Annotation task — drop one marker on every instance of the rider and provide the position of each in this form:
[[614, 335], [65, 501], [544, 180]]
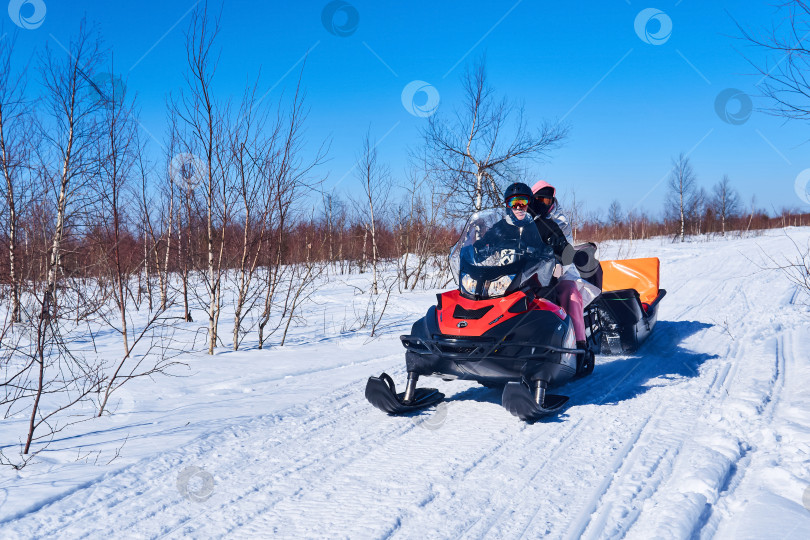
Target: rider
[[516, 228], [511, 228], [555, 231]]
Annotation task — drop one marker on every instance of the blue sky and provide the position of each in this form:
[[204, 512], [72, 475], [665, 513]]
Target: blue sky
[[631, 105]]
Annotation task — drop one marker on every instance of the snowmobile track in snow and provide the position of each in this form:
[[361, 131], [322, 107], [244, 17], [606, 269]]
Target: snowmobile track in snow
[[296, 478]]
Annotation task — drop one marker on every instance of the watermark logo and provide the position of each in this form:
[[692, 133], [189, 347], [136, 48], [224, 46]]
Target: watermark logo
[[120, 405], [436, 419], [806, 498], [107, 89], [195, 484], [425, 94], [653, 26], [187, 170], [27, 14], [351, 343], [340, 18], [802, 186], [728, 113]]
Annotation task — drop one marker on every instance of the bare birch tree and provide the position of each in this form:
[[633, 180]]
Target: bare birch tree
[[785, 70], [725, 202], [69, 161], [16, 140], [420, 217], [375, 178], [73, 110], [682, 189], [118, 149], [120, 153], [153, 237], [575, 210], [204, 119], [485, 143], [615, 215], [287, 174], [251, 145]]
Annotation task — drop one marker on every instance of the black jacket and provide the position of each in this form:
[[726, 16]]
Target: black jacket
[[551, 234], [507, 232]]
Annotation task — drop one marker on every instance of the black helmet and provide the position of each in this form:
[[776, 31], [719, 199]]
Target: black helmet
[[518, 188]]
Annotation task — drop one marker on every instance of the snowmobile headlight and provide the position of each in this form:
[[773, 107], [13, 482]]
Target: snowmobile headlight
[[468, 284], [499, 286]]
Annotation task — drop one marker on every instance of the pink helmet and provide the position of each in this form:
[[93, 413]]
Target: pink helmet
[[543, 184]]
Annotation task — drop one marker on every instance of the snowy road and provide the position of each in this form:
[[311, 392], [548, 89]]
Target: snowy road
[[704, 432]]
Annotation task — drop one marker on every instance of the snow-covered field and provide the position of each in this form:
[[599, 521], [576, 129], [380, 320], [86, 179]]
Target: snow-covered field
[[705, 432]]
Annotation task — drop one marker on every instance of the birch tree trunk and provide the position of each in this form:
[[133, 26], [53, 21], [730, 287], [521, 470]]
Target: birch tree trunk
[[12, 219], [17, 138], [164, 274]]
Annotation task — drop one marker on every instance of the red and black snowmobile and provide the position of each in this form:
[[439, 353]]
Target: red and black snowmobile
[[502, 326]]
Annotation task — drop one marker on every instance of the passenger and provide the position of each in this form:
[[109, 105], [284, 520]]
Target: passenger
[[555, 231]]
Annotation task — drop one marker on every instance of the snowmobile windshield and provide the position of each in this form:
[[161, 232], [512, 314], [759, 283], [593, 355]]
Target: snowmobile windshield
[[497, 254]]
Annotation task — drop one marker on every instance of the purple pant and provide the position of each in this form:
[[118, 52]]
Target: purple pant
[[571, 301]]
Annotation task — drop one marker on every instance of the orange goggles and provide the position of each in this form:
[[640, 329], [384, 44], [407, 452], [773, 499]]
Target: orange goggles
[[543, 199], [518, 202]]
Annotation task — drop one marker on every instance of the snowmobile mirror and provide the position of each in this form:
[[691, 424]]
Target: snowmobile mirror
[[581, 258]]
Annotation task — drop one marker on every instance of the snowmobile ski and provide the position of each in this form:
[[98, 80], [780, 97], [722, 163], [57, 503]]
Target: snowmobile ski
[[382, 393], [519, 400]]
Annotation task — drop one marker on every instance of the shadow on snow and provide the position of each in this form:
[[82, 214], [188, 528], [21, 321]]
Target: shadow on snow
[[623, 378]]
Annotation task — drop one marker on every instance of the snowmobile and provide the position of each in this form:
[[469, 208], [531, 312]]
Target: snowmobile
[[502, 327]]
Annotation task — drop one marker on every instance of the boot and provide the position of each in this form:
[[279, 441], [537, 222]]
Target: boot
[[585, 362]]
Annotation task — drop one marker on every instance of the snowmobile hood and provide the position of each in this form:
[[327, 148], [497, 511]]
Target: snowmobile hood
[[463, 317]]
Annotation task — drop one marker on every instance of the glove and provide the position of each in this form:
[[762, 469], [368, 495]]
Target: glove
[[559, 243]]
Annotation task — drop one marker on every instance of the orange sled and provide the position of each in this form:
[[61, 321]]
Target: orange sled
[[628, 305]]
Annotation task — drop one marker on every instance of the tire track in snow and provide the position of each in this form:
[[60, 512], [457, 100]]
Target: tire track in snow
[[497, 460], [626, 381], [722, 471], [648, 466], [525, 500], [348, 404], [519, 482], [409, 458], [723, 376], [489, 457], [646, 463], [563, 442], [323, 481], [303, 468], [578, 525], [312, 421], [643, 471], [784, 354]]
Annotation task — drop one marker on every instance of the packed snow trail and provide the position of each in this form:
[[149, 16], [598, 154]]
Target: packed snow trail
[[703, 432]]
